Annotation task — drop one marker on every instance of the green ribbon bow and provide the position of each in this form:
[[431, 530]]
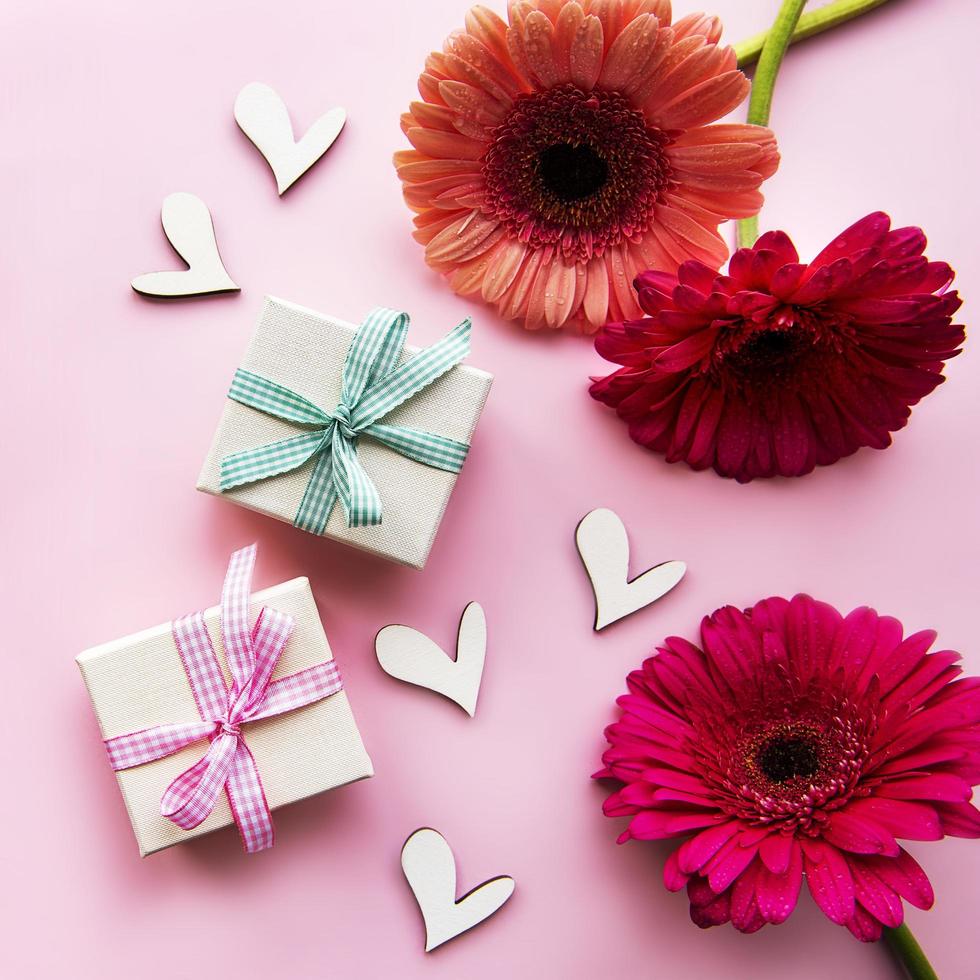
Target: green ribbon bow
[[373, 386]]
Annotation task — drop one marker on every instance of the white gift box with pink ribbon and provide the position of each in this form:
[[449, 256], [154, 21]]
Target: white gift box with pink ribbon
[[223, 716]]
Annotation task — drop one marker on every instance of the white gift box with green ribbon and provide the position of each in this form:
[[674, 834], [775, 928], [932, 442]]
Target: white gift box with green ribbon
[[346, 431]]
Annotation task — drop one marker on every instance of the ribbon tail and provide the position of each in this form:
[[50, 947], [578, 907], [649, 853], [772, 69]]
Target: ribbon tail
[[249, 806], [418, 372], [319, 497], [269, 637], [274, 399], [252, 465], [150, 744], [374, 351], [235, 629], [439, 452], [358, 494], [190, 798], [299, 689], [201, 666]]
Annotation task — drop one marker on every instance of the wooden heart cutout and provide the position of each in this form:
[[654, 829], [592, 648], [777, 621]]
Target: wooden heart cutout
[[602, 543], [190, 231], [430, 868], [411, 656], [264, 119]]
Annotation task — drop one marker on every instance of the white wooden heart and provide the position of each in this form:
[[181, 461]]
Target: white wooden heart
[[430, 868], [411, 656], [602, 543], [264, 119], [188, 226]]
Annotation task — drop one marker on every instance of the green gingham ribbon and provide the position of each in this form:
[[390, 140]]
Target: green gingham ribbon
[[373, 385]]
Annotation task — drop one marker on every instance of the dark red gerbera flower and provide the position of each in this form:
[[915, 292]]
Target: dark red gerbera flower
[[797, 743], [779, 366]]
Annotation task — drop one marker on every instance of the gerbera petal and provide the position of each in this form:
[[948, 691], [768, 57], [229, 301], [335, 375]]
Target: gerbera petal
[[701, 61], [884, 817], [865, 233], [585, 54], [864, 926], [674, 878], [596, 300], [658, 824], [413, 167], [728, 864], [435, 143], [472, 103], [463, 239], [707, 26], [469, 59], [430, 116], [959, 820], [811, 629], [534, 306], [694, 853], [698, 242], [713, 158], [611, 14], [792, 438], [513, 303], [849, 831], [430, 223], [559, 293], [508, 256], [875, 895], [566, 27], [829, 879], [775, 851], [703, 102], [630, 51], [713, 910], [745, 910], [702, 447], [777, 892], [689, 351], [538, 42], [904, 876], [490, 31]]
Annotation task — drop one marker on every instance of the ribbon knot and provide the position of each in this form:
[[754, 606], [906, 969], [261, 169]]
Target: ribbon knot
[[252, 654], [342, 419], [373, 385], [228, 728]]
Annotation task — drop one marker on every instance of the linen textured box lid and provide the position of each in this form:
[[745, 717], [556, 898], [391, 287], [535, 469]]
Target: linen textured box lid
[[139, 681], [306, 351]]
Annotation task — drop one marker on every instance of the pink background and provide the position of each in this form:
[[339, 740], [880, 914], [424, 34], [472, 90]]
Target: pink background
[[110, 401]]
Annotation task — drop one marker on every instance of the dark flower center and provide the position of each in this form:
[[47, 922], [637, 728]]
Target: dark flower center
[[770, 355], [575, 171], [572, 172], [785, 757], [783, 348]]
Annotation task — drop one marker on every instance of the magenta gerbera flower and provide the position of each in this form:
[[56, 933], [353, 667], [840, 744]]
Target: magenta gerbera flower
[[780, 366], [795, 744]]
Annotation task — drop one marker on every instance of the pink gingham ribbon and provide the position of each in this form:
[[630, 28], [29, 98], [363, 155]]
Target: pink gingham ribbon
[[251, 654]]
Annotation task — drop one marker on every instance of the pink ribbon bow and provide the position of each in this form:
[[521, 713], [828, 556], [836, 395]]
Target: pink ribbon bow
[[252, 655]]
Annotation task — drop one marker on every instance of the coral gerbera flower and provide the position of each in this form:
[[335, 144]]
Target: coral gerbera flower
[[797, 743], [779, 366], [558, 155]]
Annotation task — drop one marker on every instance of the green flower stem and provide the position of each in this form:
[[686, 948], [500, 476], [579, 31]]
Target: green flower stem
[[814, 22], [909, 953], [760, 101]]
